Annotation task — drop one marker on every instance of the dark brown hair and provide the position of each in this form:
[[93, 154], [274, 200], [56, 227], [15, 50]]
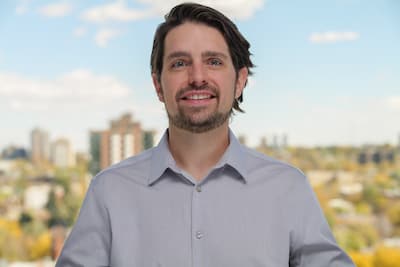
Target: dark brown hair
[[192, 12]]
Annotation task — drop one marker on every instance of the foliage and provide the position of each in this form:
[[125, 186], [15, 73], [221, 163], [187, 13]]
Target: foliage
[[362, 259], [25, 218], [41, 246], [356, 237], [393, 213], [386, 257], [11, 240]]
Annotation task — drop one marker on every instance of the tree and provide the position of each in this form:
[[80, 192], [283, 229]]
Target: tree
[[393, 214], [362, 259], [41, 246], [387, 257]]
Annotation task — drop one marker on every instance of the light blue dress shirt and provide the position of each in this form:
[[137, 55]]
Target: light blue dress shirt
[[249, 211]]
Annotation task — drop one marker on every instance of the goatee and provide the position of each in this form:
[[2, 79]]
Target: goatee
[[184, 121]]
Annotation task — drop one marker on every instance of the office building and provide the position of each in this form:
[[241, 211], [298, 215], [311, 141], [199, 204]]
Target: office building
[[62, 154], [40, 146], [124, 138]]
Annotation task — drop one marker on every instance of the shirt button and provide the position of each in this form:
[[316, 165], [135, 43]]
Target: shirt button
[[199, 234], [198, 188]]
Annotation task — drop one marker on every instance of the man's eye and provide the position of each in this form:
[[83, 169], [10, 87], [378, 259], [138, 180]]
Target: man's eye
[[178, 64], [215, 62]]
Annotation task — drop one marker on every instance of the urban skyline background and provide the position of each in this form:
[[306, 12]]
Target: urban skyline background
[[326, 71]]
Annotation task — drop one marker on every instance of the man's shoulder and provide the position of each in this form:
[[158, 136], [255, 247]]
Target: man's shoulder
[[259, 164], [135, 168]]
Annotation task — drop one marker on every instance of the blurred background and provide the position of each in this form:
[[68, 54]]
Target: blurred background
[[76, 96]]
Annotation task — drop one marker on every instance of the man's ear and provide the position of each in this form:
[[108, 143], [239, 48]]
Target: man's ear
[[157, 86], [241, 80]]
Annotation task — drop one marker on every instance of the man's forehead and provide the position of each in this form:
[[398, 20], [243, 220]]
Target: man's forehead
[[192, 37]]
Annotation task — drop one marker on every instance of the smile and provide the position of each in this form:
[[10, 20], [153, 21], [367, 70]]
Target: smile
[[198, 97]]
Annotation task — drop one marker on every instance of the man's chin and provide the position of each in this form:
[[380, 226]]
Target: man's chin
[[199, 126]]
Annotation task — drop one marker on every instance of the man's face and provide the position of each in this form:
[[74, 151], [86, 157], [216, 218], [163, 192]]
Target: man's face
[[198, 81]]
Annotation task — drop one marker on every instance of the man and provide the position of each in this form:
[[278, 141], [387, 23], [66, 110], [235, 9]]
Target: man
[[199, 198]]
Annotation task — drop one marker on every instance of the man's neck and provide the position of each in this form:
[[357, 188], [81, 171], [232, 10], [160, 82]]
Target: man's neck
[[197, 153]]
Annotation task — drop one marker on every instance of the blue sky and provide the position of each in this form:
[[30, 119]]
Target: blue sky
[[327, 71]]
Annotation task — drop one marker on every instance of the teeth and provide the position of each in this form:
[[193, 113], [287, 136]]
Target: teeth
[[199, 97]]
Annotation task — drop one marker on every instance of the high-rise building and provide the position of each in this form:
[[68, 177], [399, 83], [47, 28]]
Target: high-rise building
[[40, 146], [123, 139], [275, 141], [148, 139], [62, 154], [284, 140], [94, 146]]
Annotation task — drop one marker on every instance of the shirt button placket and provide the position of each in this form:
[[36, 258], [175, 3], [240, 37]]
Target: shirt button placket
[[197, 229]]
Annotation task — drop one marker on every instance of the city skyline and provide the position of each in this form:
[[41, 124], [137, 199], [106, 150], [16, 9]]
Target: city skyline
[[325, 75], [270, 140]]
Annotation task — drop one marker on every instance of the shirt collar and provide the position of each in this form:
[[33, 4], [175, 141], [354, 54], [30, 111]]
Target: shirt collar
[[161, 158], [235, 157]]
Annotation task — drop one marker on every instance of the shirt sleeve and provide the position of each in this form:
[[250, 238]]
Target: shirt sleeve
[[312, 242], [89, 241]]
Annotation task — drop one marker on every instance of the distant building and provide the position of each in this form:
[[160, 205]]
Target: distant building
[[36, 196], [148, 139], [123, 139], [376, 155], [13, 152], [94, 146], [285, 141], [62, 154], [40, 146], [279, 141], [275, 142], [263, 142]]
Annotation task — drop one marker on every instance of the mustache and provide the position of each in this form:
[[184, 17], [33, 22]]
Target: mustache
[[191, 87]]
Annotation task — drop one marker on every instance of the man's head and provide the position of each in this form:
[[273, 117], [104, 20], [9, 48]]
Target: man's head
[[191, 12], [200, 64]]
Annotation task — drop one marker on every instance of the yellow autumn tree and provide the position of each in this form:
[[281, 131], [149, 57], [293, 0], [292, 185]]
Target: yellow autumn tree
[[41, 246], [386, 257], [11, 240], [362, 259]]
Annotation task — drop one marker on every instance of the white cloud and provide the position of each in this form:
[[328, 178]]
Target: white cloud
[[239, 9], [61, 9], [70, 89], [69, 105], [118, 11], [80, 32], [333, 37], [103, 36]]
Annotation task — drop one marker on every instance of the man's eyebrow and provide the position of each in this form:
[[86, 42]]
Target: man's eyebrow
[[214, 54], [178, 54]]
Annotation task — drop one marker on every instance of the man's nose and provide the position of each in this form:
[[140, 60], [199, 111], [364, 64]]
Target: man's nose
[[197, 74]]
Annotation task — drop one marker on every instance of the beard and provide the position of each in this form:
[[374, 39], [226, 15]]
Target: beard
[[185, 121]]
